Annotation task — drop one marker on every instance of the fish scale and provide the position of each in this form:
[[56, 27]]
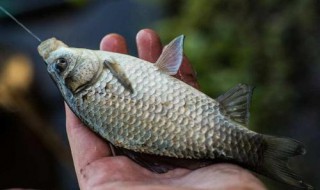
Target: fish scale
[[159, 121], [171, 124]]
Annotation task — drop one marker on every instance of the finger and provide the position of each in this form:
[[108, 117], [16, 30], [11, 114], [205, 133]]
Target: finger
[[187, 74], [114, 43], [149, 45], [85, 146]]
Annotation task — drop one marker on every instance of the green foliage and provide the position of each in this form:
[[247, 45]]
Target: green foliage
[[263, 43]]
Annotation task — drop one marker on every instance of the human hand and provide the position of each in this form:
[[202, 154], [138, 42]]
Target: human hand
[[96, 168]]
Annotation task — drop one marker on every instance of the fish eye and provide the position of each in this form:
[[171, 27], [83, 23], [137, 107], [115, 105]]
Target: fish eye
[[61, 64]]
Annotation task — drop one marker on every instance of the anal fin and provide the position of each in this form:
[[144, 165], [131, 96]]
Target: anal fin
[[161, 164], [236, 102]]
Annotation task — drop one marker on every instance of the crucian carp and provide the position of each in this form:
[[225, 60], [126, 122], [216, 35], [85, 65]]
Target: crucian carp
[[143, 111]]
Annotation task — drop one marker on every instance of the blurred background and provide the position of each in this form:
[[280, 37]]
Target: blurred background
[[271, 44]]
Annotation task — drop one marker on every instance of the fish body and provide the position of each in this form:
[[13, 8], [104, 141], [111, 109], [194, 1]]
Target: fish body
[[139, 107]]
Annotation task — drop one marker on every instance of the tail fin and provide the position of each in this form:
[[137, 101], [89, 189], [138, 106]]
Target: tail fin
[[275, 163]]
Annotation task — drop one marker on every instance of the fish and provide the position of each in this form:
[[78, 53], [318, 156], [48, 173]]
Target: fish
[[146, 113]]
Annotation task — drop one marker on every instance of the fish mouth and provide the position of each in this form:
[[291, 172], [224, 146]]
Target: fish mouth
[[48, 46]]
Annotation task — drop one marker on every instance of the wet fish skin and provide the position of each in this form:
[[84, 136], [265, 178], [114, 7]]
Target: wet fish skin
[[138, 106], [162, 106]]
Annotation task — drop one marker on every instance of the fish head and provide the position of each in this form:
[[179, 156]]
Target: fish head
[[72, 69]]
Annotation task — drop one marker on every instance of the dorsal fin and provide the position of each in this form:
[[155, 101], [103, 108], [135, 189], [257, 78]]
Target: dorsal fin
[[236, 102], [118, 73], [171, 57]]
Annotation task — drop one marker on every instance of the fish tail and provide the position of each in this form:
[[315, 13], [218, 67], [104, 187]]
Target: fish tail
[[277, 152]]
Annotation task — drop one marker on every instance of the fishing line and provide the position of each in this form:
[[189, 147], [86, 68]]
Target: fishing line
[[19, 23]]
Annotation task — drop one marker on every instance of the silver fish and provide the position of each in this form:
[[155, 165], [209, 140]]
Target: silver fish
[[144, 112]]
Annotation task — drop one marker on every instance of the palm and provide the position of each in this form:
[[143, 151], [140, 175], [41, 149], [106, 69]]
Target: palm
[[121, 173], [97, 169]]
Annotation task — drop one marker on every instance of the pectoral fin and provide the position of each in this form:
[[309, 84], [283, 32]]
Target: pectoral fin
[[118, 73], [236, 102], [171, 58]]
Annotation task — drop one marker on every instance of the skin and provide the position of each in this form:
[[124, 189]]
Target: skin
[[96, 168]]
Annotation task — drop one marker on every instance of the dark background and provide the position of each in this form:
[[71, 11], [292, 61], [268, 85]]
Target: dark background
[[271, 44]]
